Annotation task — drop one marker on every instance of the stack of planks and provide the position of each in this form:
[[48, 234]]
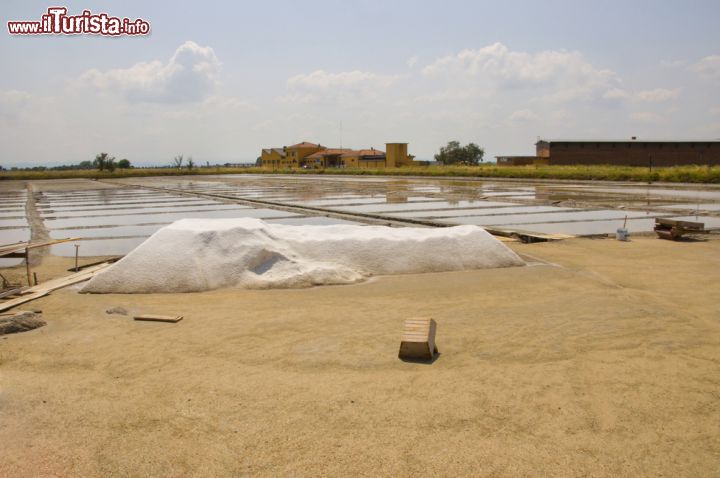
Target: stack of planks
[[673, 229]]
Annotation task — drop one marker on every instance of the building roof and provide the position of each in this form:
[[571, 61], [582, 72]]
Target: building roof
[[279, 151], [365, 152], [304, 144], [328, 152], [628, 140]]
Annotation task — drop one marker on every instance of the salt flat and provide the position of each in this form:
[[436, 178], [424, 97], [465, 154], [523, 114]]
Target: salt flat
[[599, 360]]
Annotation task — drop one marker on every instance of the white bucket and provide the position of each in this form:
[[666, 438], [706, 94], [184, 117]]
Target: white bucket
[[622, 234]]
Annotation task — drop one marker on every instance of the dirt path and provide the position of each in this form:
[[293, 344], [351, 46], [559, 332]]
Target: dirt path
[[38, 231]]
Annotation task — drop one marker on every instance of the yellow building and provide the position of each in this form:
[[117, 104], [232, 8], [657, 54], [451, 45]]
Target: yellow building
[[365, 158], [316, 156], [397, 155], [288, 157], [297, 153], [274, 158]]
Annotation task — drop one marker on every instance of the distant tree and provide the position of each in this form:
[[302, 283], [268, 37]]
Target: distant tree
[[85, 165], [453, 153], [190, 163], [178, 161], [104, 161], [124, 164]]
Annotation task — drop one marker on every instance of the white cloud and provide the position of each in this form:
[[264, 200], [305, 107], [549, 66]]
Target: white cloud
[[645, 117], [12, 105], [657, 95], [189, 75], [715, 111], [523, 115], [348, 85], [673, 63], [649, 96], [412, 61], [616, 94], [229, 103], [567, 75], [708, 67]]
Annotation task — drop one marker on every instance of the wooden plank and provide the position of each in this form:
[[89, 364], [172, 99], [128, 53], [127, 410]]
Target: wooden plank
[[160, 318], [10, 292], [21, 246], [699, 226], [71, 279], [9, 304], [41, 290]]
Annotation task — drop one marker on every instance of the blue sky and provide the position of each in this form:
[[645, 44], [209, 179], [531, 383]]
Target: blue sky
[[220, 81]]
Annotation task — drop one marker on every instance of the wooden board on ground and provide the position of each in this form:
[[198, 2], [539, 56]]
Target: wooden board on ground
[[526, 236], [41, 290], [159, 318], [673, 229], [19, 247], [11, 291], [418, 339]]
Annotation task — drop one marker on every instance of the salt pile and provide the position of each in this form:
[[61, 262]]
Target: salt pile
[[193, 255]]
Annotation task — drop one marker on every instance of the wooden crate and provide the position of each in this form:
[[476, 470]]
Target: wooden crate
[[418, 339]]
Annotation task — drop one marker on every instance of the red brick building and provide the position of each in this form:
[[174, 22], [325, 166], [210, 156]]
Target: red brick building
[[632, 152]]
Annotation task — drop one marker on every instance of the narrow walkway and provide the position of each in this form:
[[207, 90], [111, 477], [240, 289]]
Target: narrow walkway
[[38, 231]]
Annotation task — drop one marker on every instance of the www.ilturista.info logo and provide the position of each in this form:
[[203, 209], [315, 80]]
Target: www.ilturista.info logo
[[57, 22]]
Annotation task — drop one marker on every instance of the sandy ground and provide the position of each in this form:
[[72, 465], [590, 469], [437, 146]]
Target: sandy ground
[[603, 362]]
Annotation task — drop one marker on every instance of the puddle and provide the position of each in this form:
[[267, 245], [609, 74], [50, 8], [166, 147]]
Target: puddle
[[653, 191], [313, 221], [399, 207], [340, 202], [709, 221], [547, 217], [117, 231], [495, 211], [159, 218], [157, 208], [13, 223], [142, 211], [168, 202], [14, 214], [587, 228], [102, 247], [11, 236], [690, 206]]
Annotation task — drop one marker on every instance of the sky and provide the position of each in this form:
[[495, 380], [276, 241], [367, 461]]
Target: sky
[[221, 80]]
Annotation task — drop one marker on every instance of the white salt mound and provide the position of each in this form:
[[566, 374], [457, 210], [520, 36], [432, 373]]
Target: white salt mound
[[193, 255]]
